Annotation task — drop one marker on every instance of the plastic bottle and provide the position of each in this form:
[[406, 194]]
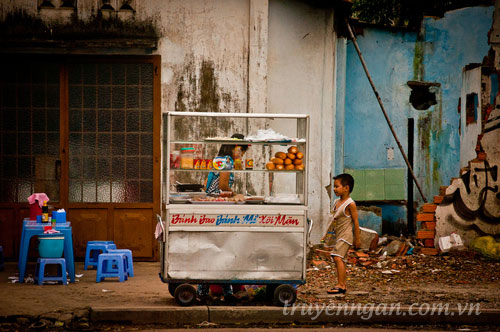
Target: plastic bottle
[[45, 212], [248, 159]]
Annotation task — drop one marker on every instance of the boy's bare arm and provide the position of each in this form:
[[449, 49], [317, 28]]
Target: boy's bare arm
[[330, 220], [353, 211]]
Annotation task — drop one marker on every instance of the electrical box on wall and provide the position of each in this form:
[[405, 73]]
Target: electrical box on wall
[[390, 153]]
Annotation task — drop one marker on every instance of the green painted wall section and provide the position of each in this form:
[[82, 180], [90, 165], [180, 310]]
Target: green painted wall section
[[378, 184]]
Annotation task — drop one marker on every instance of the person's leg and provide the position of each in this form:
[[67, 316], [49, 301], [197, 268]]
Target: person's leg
[[203, 289], [338, 254], [227, 289], [228, 293], [341, 274]]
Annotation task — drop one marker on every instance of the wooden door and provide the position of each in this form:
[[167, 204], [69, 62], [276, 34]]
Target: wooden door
[[104, 168]]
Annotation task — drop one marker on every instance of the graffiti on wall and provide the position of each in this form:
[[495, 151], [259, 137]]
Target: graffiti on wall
[[471, 206]]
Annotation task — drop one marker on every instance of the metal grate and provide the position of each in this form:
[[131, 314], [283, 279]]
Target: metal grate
[[111, 132]]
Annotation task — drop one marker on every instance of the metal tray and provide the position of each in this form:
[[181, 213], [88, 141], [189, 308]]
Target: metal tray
[[214, 202]]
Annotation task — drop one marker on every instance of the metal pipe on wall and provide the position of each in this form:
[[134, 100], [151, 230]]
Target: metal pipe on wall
[[410, 168]]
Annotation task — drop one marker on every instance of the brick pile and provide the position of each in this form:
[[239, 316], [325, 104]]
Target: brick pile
[[427, 216]]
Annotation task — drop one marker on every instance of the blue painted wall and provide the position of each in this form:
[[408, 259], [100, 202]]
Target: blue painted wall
[[437, 54]]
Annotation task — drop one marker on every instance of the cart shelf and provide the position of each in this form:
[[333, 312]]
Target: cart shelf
[[238, 142], [235, 170]]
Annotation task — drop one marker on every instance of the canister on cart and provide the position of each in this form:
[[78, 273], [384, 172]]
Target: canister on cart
[[238, 164], [187, 158]]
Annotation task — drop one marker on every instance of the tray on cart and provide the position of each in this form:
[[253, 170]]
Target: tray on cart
[[213, 202], [254, 200]]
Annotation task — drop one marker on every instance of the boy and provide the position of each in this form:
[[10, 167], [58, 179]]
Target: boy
[[343, 216]]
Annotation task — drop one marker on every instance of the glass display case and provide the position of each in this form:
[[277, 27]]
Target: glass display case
[[193, 140]]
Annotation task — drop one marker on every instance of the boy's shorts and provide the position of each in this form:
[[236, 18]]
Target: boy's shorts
[[340, 250]]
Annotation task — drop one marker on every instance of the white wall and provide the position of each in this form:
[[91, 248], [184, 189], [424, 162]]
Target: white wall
[[300, 80], [471, 83]]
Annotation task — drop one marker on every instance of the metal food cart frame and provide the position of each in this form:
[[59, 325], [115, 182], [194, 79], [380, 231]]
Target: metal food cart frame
[[293, 230]]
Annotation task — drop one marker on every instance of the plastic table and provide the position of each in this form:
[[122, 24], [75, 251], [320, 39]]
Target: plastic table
[[31, 228]]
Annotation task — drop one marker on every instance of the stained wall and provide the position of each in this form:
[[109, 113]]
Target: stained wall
[[434, 56]]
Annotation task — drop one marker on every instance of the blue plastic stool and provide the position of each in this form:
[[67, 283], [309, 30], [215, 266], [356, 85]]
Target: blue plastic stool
[[129, 264], [103, 270], [1, 258], [40, 270], [94, 248]]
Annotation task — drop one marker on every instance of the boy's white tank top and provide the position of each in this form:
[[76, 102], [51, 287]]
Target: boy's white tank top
[[343, 223]]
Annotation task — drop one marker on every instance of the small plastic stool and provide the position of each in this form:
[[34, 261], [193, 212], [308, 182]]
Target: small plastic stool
[[40, 270], [103, 270], [129, 264], [1, 258], [94, 248]]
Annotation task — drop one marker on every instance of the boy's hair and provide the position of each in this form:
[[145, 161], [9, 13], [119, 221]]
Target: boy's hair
[[346, 180]]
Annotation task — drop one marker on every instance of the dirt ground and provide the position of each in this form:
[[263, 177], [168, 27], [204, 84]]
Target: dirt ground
[[460, 277], [414, 279], [145, 289]]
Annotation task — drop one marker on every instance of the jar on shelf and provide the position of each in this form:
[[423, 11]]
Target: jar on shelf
[[187, 158]]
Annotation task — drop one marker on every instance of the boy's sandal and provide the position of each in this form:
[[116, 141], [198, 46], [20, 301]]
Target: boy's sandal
[[336, 290]]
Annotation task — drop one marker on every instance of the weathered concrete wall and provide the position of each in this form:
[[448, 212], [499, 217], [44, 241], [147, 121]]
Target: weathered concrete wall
[[435, 55], [300, 80], [471, 207], [239, 56], [472, 204], [451, 43], [204, 48]]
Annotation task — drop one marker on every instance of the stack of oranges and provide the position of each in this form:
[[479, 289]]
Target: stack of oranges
[[292, 160]]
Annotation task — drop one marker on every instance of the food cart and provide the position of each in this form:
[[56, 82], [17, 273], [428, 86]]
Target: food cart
[[259, 240]]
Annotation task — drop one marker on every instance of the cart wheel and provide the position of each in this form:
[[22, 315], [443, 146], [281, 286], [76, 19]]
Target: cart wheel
[[172, 287], [185, 294], [285, 295]]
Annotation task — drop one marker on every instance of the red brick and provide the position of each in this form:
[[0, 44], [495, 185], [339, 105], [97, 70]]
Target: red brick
[[319, 264], [402, 250], [352, 260], [438, 199], [429, 208], [429, 251], [429, 225], [425, 234], [369, 263], [425, 217], [324, 253], [429, 243]]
